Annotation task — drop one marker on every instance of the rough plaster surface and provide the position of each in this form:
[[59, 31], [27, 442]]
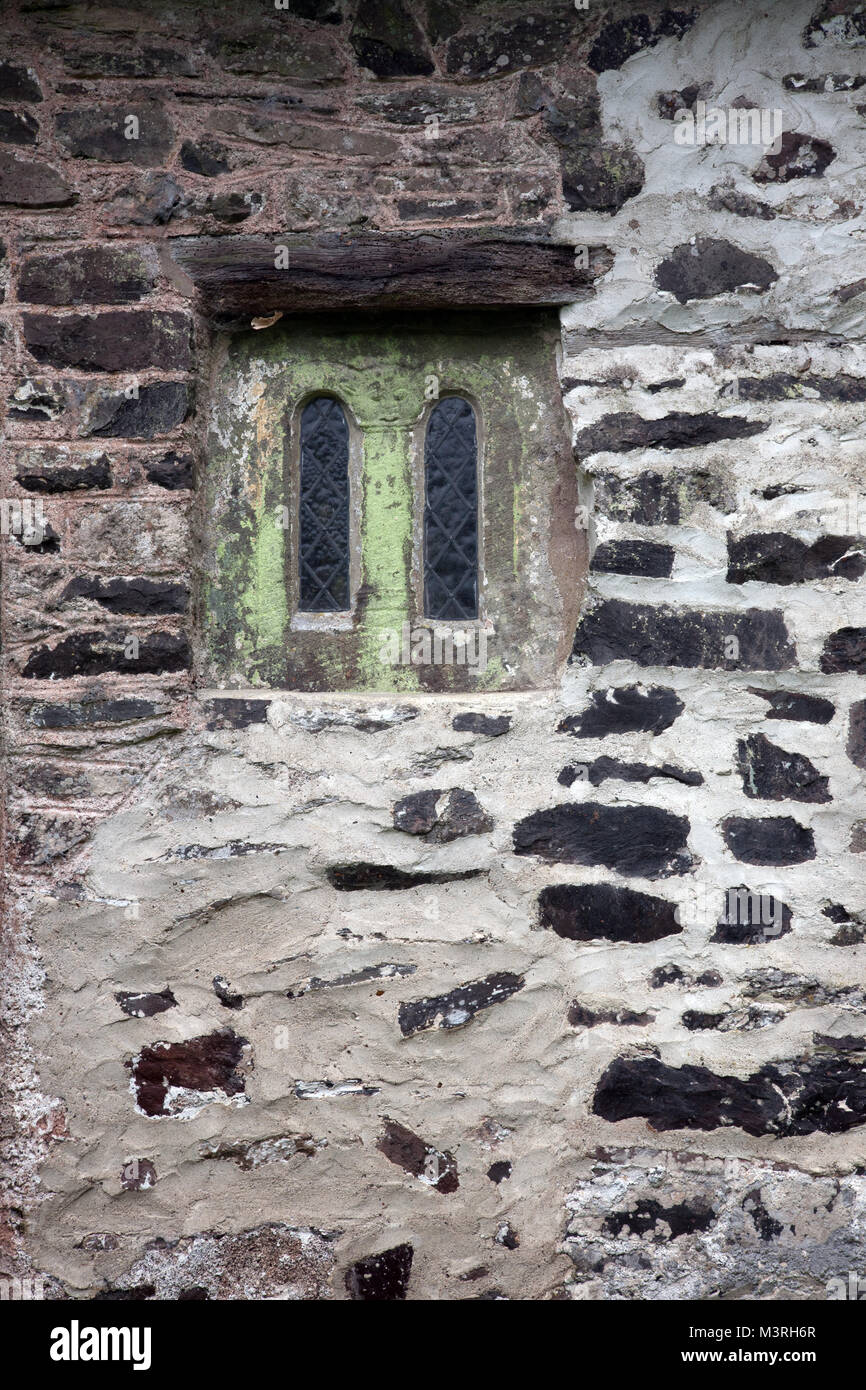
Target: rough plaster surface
[[241, 1062]]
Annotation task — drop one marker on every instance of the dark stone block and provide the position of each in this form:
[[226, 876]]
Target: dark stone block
[[137, 1175], [600, 178], [620, 39], [53, 478], [356, 878], [95, 653], [773, 557], [594, 911], [650, 559], [237, 714], [86, 713], [422, 813], [114, 341], [659, 499], [144, 61], [156, 409], [53, 782], [723, 198], [173, 471], [771, 773], [604, 768], [420, 1159], [845, 650], [800, 157], [581, 1017], [388, 40], [625, 709], [491, 725], [208, 158], [669, 103], [145, 1005], [459, 1005], [381, 1278], [790, 704], [505, 46], [29, 183], [708, 266], [623, 431], [90, 132], [89, 275], [207, 1063], [697, 1022], [826, 1095], [660, 636], [499, 1172], [224, 994], [642, 841], [768, 839], [752, 919], [18, 83], [42, 839], [144, 597], [856, 745], [681, 1219], [785, 386], [18, 128]]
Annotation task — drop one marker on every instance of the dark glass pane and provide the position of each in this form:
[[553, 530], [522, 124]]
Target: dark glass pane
[[324, 510], [451, 512]]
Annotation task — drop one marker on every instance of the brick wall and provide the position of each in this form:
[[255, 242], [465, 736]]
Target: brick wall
[[458, 977]]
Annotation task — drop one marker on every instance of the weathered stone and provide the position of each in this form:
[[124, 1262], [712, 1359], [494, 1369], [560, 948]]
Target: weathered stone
[[622, 432], [579, 1016], [603, 911], [747, 640], [768, 839], [600, 178], [660, 499], [236, 713], [38, 474], [42, 839], [499, 1172], [726, 198], [18, 83], [87, 275], [680, 1219], [649, 559], [148, 60], [155, 409], [138, 133], [164, 1074], [800, 157], [145, 1005], [491, 725], [845, 650], [388, 40], [771, 773], [95, 653], [800, 1098], [621, 39], [87, 713], [669, 103], [774, 557], [752, 919], [625, 709], [836, 23], [381, 1278], [276, 49], [29, 183], [141, 596], [790, 704], [438, 1169], [507, 45], [50, 781], [707, 266], [116, 340], [459, 1005], [18, 128], [786, 386], [856, 745], [173, 471], [642, 841], [137, 1175], [207, 157], [356, 878], [224, 993], [441, 816], [604, 768], [827, 82]]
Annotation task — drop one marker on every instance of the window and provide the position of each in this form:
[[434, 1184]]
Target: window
[[323, 543], [389, 505], [451, 511]]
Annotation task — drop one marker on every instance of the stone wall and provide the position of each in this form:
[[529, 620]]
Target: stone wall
[[548, 994]]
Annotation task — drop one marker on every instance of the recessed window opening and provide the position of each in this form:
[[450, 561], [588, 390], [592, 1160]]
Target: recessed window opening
[[323, 550], [451, 511]]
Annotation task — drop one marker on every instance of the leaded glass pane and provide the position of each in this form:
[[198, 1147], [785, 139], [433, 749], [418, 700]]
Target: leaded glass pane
[[324, 507], [451, 512]]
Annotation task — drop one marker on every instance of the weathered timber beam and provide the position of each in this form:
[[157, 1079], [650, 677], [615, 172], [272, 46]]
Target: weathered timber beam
[[427, 270]]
